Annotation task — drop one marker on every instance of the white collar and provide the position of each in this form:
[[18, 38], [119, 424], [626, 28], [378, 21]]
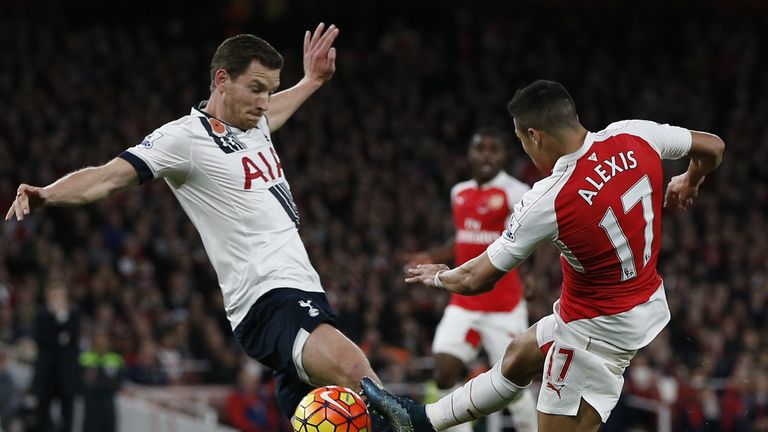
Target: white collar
[[564, 160]]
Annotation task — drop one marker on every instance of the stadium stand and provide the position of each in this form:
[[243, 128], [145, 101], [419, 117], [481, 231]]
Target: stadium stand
[[370, 159]]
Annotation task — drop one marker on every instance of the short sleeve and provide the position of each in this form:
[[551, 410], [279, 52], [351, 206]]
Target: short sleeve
[[515, 192], [454, 193], [671, 142], [163, 153], [532, 222]]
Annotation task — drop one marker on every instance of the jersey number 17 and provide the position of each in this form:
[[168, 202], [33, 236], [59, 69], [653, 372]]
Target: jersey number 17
[[639, 193]]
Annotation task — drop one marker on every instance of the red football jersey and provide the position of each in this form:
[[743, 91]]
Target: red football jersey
[[602, 208], [480, 213]]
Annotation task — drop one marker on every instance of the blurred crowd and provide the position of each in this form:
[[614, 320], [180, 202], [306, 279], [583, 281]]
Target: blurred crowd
[[371, 159]]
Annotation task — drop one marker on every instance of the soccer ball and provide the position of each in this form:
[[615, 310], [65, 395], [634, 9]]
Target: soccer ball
[[331, 409]]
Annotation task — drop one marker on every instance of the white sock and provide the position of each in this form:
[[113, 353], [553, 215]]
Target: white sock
[[482, 395], [465, 427], [524, 414], [441, 393]]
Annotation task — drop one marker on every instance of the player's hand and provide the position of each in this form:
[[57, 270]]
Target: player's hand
[[680, 192], [27, 198], [425, 273], [319, 54]]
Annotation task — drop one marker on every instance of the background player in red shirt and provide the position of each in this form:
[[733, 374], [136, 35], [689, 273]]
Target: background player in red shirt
[[481, 207], [601, 206]]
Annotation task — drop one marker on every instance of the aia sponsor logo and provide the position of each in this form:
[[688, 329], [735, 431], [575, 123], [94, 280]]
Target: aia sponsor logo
[[254, 169]]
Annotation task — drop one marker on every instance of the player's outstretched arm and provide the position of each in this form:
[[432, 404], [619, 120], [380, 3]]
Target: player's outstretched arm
[[80, 187], [475, 276], [706, 153], [319, 66]]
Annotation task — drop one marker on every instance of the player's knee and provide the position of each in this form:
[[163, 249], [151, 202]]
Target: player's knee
[[350, 377], [521, 361], [352, 369], [329, 357], [510, 364], [347, 373]]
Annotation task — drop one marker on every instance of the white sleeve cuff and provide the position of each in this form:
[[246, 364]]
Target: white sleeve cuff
[[678, 142], [499, 256]]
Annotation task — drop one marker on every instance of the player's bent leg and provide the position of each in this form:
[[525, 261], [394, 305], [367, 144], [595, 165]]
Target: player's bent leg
[[586, 420], [330, 358], [578, 368], [492, 390], [523, 359], [327, 357], [291, 331]]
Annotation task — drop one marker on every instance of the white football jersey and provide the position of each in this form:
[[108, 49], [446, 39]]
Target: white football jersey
[[232, 186]]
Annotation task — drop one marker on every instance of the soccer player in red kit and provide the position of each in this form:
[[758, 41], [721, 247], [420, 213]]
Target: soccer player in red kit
[[481, 207], [601, 206]]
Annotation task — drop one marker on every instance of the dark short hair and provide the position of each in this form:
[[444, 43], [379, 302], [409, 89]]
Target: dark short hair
[[489, 131], [235, 55], [544, 105]]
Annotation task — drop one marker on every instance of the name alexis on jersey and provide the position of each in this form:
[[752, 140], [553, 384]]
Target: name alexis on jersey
[[605, 171]]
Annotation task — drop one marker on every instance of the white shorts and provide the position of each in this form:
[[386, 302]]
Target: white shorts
[[576, 367], [461, 332]]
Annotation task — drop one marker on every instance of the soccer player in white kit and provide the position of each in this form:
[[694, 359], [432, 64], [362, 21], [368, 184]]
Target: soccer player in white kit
[[601, 206], [481, 207], [222, 166]]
